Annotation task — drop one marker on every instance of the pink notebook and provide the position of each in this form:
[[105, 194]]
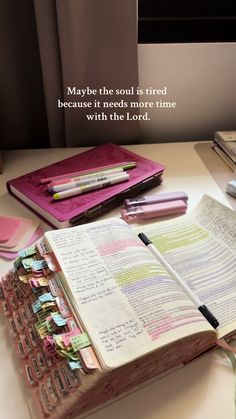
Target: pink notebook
[[8, 227], [83, 208], [13, 255]]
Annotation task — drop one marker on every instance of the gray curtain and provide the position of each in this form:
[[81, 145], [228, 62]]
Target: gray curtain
[[50, 45]]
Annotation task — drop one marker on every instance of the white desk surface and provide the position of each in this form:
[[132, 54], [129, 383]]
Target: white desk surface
[[203, 389]]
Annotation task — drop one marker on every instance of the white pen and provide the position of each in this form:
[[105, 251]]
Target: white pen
[[77, 183], [86, 176], [196, 301], [91, 187]]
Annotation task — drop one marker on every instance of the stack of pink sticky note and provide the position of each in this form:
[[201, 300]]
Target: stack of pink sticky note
[[16, 233]]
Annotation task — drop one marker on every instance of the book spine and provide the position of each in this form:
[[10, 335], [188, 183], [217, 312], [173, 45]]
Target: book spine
[[8, 185], [224, 146], [224, 157]]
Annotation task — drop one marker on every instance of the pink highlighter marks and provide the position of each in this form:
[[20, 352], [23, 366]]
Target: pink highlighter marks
[[144, 212]]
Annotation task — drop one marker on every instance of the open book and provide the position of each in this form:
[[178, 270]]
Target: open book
[[137, 319], [127, 301]]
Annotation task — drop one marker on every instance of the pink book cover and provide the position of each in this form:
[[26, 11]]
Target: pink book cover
[[35, 195]]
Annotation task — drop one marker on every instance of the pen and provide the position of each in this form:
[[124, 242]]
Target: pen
[[196, 301], [90, 187], [86, 178], [76, 184], [124, 165]]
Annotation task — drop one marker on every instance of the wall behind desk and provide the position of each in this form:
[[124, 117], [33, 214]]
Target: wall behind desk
[[200, 78]]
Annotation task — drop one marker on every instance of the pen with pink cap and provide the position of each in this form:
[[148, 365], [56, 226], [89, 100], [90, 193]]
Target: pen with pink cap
[[61, 184], [122, 165]]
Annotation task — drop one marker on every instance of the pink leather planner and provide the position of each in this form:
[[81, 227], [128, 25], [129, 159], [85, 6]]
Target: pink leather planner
[[83, 208]]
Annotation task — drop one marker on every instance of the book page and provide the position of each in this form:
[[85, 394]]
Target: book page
[[218, 219], [200, 247], [127, 302]]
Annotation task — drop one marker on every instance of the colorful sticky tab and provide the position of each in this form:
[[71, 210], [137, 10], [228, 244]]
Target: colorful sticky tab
[[62, 306], [29, 251], [37, 265], [68, 354], [66, 337], [42, 247], [58, 319], [58, 341], [50, 324], [54, 287], [36, 306], [80, 341], [42, 330], [89, 358], [25, 278], [45, 298], [43, 282], [33, 282], [42, 315], [17, 262], [27, 263], [75, 365], [71, 325], [48, 305]]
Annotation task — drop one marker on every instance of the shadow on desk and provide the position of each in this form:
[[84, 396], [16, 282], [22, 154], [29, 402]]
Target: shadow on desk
[[220, 172]]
